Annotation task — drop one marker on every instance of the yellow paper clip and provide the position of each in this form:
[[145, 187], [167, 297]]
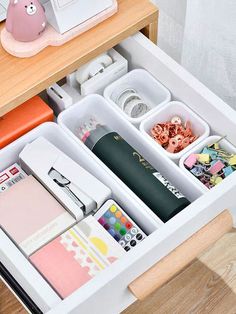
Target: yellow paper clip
[[232, 161], [203, 158]]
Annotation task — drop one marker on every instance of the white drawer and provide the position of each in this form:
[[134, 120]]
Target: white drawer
[[108, 292]]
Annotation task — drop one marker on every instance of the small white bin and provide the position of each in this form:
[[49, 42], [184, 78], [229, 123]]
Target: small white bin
[[175, 108], [152, 93], [224, 144]]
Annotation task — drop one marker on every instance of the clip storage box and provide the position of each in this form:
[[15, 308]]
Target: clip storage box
[[94, 297]]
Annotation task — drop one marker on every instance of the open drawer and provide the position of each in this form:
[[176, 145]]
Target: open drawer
[[108, 292]]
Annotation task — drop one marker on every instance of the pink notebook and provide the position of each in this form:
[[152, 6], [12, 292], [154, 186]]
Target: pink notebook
[[31, 216], [78, 255]]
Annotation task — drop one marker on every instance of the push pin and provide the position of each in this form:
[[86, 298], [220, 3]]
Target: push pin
[[173, 135]]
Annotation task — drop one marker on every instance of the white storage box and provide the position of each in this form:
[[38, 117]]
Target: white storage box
[[175, 108], [224, 144], [26, 275], [151, 92], [95, 297]]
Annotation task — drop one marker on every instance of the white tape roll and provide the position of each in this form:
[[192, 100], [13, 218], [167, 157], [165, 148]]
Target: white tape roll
[[93, 67], [126, 97], [136, 108]]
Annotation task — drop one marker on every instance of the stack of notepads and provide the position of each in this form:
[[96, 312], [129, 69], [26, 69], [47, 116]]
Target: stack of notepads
[[68, 254]]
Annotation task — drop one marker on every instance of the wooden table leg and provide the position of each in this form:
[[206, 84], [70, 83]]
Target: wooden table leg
[[151, 31]]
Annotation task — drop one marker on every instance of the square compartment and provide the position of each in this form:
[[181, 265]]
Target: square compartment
[[226, 145], [166, 113], [152, 92]]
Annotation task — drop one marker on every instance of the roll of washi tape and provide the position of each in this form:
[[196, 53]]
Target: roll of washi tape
[[136, 108]]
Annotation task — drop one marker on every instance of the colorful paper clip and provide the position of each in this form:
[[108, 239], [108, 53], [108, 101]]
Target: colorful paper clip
[[212, 165]]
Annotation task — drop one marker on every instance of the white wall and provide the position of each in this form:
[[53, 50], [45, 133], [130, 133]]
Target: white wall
[[201, 35]]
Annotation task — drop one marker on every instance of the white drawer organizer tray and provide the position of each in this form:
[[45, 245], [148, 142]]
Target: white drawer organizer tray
[[175, 108], [94, 297]]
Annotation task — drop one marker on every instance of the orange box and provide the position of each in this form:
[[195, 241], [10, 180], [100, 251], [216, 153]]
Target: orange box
[[23, 119]]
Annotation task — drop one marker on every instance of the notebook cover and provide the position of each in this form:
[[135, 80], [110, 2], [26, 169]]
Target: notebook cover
[[31, 216], [23, 119]]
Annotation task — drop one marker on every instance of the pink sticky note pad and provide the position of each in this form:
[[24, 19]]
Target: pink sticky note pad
[[191, 161], [31, 216], [58, 264], [75, 257]]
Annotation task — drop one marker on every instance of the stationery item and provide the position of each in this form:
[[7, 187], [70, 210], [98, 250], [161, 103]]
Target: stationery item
[[26, 20], [119, 225], [94, 76], [212, 165], [131, 103], [91, 78], [174, 135], [23, 119], [11, 176], [76, 256], [136, 95], [75, 188], [148, 183], [31, 216]]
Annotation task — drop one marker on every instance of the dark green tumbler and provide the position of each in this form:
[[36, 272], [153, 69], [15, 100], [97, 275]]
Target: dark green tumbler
[[145, 181]]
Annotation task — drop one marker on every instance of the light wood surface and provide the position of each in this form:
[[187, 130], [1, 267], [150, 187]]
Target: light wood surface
[[207, 286], [151, 31], [183, 255], [8, 303], [23, 78]]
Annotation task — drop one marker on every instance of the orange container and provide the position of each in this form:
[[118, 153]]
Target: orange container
[[23, 119]]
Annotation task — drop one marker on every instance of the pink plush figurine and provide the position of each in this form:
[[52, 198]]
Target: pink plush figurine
[[26, 19]]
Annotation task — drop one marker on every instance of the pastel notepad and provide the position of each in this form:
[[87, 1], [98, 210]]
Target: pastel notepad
[[31, 216], [78, 255]]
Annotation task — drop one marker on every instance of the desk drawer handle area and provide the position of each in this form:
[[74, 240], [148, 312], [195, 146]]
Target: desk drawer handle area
[[177, 260]]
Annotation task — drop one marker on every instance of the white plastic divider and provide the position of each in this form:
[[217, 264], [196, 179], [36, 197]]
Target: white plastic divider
[[11, 257], [152, 92], [175, 108], [224, 144], [96, 106]]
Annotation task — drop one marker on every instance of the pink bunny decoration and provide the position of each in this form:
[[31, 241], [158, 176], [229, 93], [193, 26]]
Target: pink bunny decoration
[[26, 19]]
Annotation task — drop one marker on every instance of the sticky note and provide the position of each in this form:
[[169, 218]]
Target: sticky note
[[76, 256], [31, 215]]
